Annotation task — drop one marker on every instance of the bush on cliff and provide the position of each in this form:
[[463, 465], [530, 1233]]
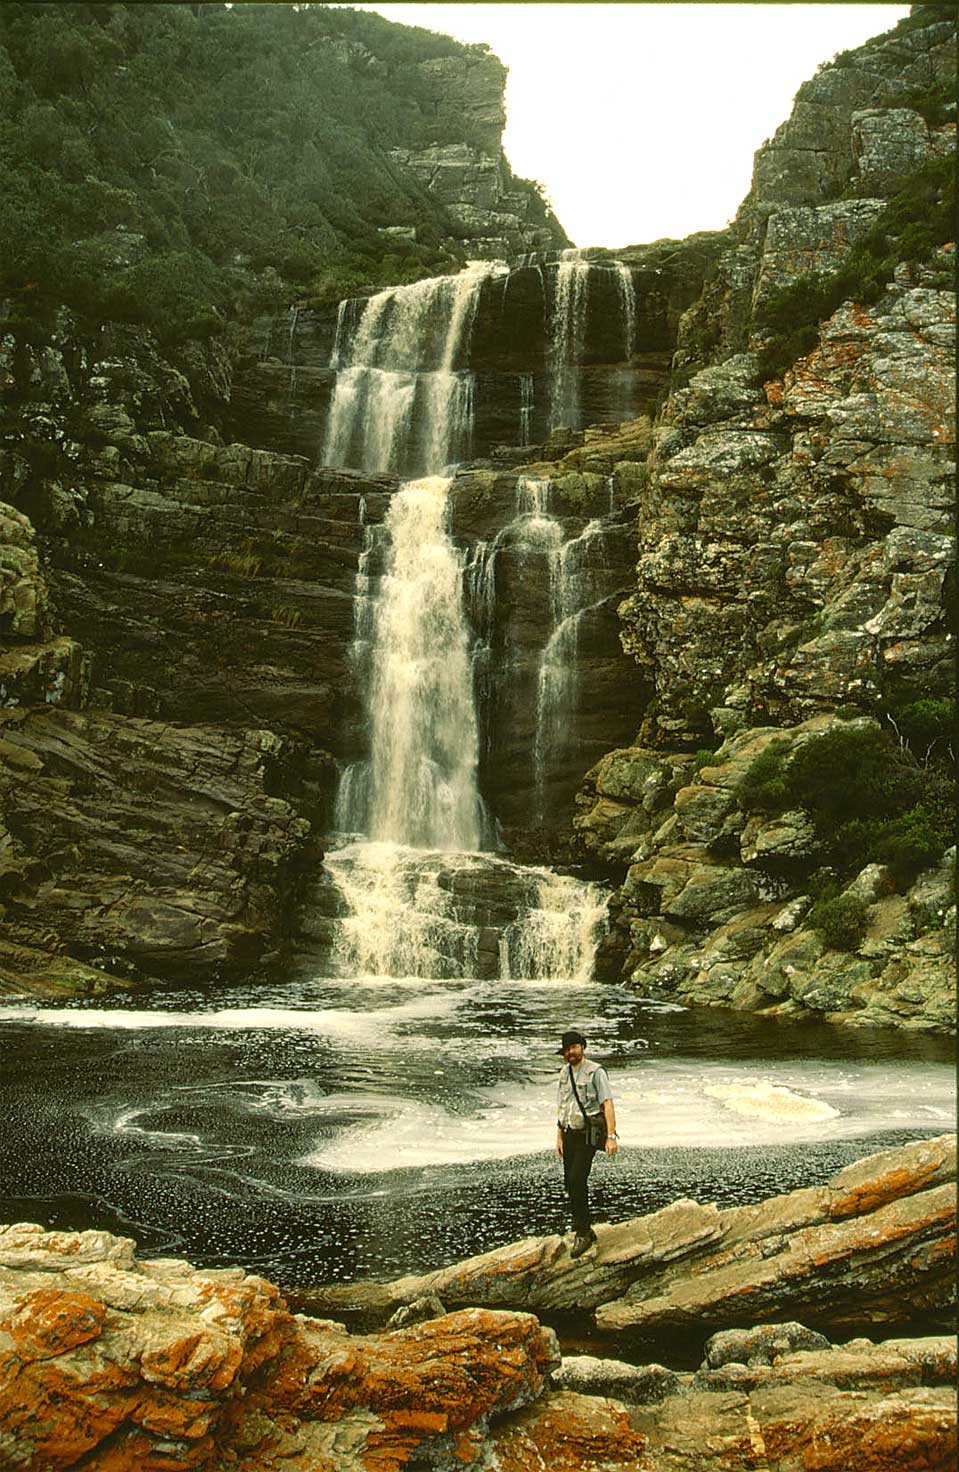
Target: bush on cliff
[[870, 800], [841, 921]]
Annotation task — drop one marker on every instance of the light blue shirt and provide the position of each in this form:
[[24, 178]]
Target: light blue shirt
[[592, 1085]]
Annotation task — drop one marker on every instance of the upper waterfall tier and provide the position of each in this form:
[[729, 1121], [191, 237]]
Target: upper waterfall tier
[[403, 396], [418, 377]]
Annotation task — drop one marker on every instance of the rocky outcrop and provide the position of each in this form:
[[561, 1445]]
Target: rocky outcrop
[[108, 1363], [136, 849], [796, 559], [875, 1245], [794, 549], [715, 906]]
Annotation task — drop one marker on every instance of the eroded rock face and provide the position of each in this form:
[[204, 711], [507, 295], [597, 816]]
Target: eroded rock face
[[161, 850]]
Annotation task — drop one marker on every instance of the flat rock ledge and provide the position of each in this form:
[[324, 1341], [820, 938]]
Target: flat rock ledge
[[874, 1246]]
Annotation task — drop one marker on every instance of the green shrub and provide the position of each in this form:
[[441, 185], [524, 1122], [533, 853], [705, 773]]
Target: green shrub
[[763, 785], [840, 921], [851, 772], [910, 843], [925, 724]]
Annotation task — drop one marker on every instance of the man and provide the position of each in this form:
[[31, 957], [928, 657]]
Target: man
[[584, 1101]]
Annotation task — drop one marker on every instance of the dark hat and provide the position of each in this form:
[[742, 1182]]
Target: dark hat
[[571, 1037]]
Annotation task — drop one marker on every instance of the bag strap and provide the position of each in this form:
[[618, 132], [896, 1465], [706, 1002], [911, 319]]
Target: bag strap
[[576, 1093]]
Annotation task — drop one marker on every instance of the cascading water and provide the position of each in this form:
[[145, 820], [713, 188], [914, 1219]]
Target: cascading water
[[402, 400], [526, 406], [570, 565], [419, 786], [567, 338], [627, 298], [556, 694], [421, 898]]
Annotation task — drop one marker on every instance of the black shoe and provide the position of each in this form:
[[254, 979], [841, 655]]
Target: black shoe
[[584, 1241]]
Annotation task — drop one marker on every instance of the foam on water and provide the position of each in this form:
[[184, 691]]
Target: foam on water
[[691, 1105]]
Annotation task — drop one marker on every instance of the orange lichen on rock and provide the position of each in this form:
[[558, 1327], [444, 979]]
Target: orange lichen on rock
[[48, 1323], [569, 1432]]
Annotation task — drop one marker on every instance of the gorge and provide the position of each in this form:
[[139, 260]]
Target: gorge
[[471, 636]]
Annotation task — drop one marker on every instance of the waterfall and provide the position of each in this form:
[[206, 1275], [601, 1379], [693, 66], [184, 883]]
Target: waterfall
[[339, 337], [402, 400], [525, 408], [535, 532], [423, 913], [419, 787], [567, 338], [418, 895], [627, 297], [556, 694]]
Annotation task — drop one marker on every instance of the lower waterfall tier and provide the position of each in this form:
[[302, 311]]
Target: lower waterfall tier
[[392, 911]]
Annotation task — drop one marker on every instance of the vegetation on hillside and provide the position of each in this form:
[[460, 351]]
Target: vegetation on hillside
[[178, 164]]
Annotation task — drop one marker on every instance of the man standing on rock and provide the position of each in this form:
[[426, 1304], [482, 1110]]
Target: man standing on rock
[[585, 1123]]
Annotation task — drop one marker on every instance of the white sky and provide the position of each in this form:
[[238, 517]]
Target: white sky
[[641, 119]]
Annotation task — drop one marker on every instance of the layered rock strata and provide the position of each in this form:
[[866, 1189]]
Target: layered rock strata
[[875, 1245], [148, 850], [107, 1362]]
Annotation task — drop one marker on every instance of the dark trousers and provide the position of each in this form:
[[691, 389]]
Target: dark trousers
[[577, 1164]]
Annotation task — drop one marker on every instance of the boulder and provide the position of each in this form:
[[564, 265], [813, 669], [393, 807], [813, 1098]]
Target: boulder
[[108, 1361]]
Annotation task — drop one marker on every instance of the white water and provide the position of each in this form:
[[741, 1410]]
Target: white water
[[419, 787], [627, 297], [416, 892], [526, 406], [557, 685], [406, 909], [567, 338], [417, 798], [402, 401]]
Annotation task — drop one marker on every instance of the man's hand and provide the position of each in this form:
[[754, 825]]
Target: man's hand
[[612, 1145], [559, 1142]]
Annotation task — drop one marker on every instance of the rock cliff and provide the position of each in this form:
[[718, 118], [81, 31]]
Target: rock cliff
[[174, 558], [796, 568], [107, 1362]]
